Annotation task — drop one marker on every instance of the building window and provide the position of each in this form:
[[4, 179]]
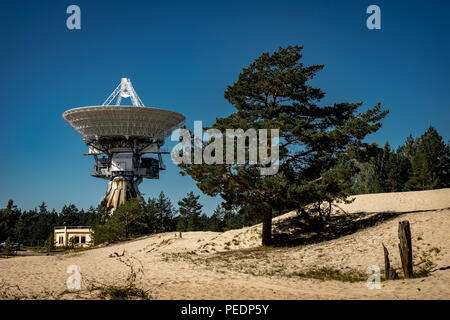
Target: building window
[[61, 240], [76, 239], [83, 239]]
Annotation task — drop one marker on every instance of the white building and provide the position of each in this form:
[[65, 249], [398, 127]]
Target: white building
[[80, 236]]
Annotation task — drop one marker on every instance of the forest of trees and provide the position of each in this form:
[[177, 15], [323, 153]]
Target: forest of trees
[[322, 155], [136, 217], [421, 163]]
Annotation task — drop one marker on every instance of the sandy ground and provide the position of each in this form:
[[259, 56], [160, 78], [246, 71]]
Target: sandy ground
[[231, 265]]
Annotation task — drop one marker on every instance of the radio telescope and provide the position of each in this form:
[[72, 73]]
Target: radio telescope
[[119, 136]]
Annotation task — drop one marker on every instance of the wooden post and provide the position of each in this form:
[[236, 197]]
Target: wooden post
[[387, 265], [405, 246], [389, 272]]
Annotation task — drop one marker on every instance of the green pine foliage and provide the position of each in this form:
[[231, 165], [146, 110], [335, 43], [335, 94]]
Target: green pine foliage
[[10, 248], [322, 157], [128, 220], [190, 211], [421, 163], [430, 163], [160, 214], [50, 242], [135, 218], [318, 144]]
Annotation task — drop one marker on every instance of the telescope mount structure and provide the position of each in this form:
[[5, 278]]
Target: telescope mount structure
[[119, 136]]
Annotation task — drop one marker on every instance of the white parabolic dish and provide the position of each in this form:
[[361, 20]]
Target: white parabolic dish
[[123, 121]]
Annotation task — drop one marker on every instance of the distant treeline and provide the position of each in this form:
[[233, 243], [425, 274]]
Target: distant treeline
[[421, 163], [34, 227]]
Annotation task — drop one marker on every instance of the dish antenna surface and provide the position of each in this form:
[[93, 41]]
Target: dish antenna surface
[[119, 136]]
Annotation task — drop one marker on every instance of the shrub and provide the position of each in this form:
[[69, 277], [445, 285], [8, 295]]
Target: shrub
[[127, 221]]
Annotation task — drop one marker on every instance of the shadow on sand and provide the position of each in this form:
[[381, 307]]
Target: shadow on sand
[[300, 230]]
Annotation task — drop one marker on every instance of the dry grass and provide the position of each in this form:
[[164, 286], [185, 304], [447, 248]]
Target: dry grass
[[124, 289], [325, 273], [127, 289], [258, 262]]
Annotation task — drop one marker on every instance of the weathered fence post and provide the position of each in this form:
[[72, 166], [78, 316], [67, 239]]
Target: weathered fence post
[[389, 272], [405, 246]]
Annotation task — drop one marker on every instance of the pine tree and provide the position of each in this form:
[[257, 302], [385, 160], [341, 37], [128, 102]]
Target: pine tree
[[398, 174], [409, 149], [49, 244], [130, 216], [274, 93], [366, 179], [20, 230], [8, 219], [203, 223], [164, 213], [160, 214], [152, 215], [43, 226], [217, 219], [190, 210], [128, 220], [429, 163], [70, 215], [91, 216]]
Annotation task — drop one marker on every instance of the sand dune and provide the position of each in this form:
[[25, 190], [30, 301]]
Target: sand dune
[[231, 265]]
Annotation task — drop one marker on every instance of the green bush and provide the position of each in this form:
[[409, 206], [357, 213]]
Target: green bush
[[127, 221], [50, 242], [10, 249]]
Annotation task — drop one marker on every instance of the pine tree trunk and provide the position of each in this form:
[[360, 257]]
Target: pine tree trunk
[[329, 210], [267, 228]]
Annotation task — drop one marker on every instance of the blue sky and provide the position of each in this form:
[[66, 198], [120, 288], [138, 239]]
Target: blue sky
[[181, 55]]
